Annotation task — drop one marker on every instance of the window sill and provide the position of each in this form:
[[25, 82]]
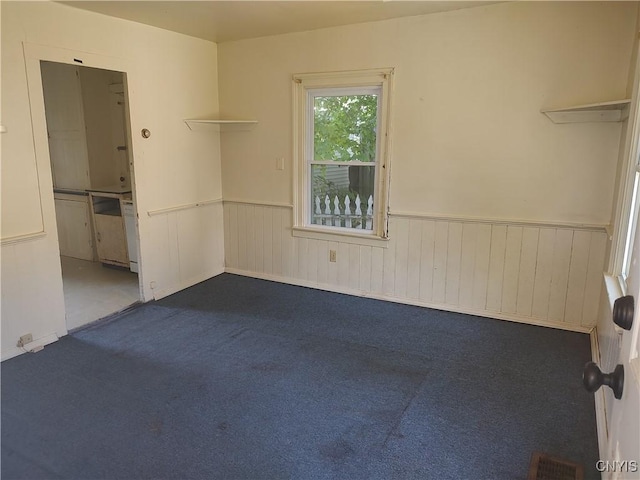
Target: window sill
[[615, 287], [341, 237]]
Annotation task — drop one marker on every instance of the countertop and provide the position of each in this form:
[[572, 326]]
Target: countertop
[[110, 189]]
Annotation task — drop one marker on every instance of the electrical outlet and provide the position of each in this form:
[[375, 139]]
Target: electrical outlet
[[332, 255], [24, 339]]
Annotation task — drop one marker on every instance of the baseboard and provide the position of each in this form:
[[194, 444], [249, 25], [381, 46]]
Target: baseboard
[[165, 292], [601, 411], [32, 347], [407, 301]]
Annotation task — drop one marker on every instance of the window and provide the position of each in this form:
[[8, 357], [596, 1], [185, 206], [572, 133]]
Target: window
[[628, 203], [631, 225], [341, 138]]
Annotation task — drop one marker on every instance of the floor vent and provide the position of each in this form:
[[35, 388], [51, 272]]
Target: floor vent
[[545, 467]]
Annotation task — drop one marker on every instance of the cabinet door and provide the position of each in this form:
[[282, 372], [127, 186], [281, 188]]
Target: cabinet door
[[65, 124], [110, 239], [74, 228]]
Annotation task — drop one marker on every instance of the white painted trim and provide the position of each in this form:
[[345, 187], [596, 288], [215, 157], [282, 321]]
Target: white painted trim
[[258, 202], [341, 235], [23, 238], [627, 162], [406, 301], [177, 208], [190, 282], [303, 84], [32, 347], [498, 221], [601, 411], [455, 218]]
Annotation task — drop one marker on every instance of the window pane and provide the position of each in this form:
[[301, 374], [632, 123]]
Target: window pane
[[344, 128], [628, 246], [352, 186]]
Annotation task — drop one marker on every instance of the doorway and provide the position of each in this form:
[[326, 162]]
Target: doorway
[[86, 114]]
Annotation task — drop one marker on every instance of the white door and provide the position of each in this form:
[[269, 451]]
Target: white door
[[65, 125], [624, 434]]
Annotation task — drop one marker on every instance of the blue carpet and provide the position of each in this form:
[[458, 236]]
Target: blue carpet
[[237, 378]]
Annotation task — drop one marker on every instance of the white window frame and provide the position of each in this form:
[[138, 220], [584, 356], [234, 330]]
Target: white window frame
[[627, 207], [305, 87]]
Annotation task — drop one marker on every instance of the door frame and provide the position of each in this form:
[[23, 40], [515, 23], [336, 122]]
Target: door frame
[[33, 55], [609, 341]]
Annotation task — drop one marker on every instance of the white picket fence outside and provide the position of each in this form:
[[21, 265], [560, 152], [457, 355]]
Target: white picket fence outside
[[341, 215]]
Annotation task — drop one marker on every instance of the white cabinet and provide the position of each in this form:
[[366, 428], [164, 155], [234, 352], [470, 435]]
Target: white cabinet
[[73, 219], [108, 222]]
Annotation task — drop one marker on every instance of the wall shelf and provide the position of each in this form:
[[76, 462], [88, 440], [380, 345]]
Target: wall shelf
[[220, 125], [615, 111]]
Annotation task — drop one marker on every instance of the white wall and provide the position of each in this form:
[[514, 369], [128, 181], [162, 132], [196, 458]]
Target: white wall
[[170, 77], [468, 140]]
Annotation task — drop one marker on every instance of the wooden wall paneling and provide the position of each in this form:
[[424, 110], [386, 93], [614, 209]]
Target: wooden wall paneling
[[481, 268], [243, 260], [323, 261], [267, 239], [258, 218], [560, 274], [302, 258], [219, 212], [365, 268], [544, 270], [251, 243], [527, 273], [188, 239], [594, 283], [232, 244], [159, 264], [511, 269], [401, 237], [577, 276], [354, 267], [427, 260], [468, 263], [454, 257], [332, 267], [289, 246], [496, 267], [440, 262], [377, 269], [413, 269], [227, 236], [278, 232], [343, 264], [312, 260], [546, 273], [389, 265]]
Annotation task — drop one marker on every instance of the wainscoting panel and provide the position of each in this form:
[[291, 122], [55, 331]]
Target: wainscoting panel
[[534, 273], [181, 236]]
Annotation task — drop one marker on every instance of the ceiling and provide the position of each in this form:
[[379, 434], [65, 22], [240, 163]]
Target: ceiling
[[225, 20]]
